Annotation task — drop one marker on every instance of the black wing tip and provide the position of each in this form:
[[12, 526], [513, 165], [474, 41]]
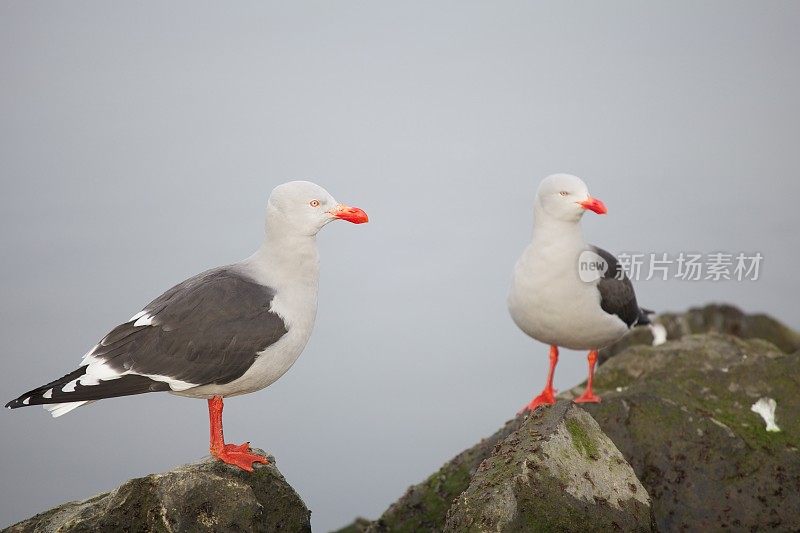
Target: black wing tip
[[25, 400], [644, 317], [36, 396], [13, 404]]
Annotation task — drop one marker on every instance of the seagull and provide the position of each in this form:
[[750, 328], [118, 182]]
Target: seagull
[[565, 292], [228, 331]]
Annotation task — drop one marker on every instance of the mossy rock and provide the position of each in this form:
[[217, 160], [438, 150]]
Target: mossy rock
[[557, 472], [579, 453], [680, 414], [205, 496]]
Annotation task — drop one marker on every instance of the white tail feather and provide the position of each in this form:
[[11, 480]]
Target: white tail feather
[[58, 409], [659, 334]]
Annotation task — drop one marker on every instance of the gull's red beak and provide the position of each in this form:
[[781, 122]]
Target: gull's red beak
[[593, 204], [350, 214]]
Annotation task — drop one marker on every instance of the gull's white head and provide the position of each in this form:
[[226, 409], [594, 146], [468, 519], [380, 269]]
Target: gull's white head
[[306, 207], [565, 197]]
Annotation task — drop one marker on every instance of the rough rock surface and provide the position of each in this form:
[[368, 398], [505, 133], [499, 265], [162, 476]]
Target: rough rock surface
[[556, 472], [204, 496], [553, 469]]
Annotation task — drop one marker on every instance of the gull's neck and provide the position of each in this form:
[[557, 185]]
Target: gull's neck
[[286, 259], [548, 230]]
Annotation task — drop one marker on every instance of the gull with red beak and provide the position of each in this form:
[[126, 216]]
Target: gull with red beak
[[229, 331], [565, 292]]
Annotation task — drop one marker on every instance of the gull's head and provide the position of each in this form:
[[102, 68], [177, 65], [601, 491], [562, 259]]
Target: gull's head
[[566, 197], [307, 207]]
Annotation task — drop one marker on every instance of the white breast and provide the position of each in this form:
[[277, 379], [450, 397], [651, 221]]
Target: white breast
[[550, 302], [298, 307]]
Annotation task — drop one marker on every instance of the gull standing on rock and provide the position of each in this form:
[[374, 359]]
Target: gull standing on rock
[[565, 292], [231, 330]]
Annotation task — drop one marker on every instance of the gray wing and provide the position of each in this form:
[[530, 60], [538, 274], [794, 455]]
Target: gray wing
[[207, 329], [616, 292]]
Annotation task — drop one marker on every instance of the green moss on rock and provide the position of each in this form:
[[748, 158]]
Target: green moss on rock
[[581, 440]]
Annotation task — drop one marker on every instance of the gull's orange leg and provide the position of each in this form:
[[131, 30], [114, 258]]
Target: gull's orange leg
[[233, 454], [588, 395], [548, 395]]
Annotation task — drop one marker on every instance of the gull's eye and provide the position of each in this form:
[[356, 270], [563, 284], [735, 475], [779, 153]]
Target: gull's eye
[[563, 193], [314, 203]]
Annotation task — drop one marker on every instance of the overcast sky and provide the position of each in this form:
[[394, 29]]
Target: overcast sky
[[139, 143]]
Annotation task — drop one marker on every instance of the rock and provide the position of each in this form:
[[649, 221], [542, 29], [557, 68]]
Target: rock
[[553, 467], [204, 496], [713, 318], [681, 415], [556, 472]]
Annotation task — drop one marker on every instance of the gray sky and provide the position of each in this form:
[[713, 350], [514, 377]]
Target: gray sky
[[139, 142]]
